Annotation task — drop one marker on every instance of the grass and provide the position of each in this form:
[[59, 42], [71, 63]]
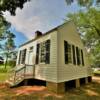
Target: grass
[[3, 77], [4, 73], [90, 91], [97, 73]]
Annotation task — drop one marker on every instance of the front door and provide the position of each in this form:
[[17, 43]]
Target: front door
[[31, 62], [30, 58]]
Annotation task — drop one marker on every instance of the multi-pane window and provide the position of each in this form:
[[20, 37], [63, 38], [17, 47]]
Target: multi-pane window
[[69, 54], [73, 54], [47, 58], [43, 52], [31, 49], [23, 56], [67, 50]]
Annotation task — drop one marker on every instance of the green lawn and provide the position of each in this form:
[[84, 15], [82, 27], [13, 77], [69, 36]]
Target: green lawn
[[3, 77], [97, 73], [90, 91], [4, 73]]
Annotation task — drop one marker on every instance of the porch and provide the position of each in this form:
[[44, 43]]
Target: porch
[[21, 73]]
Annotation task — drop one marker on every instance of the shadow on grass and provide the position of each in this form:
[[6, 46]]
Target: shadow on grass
[[90, 91]]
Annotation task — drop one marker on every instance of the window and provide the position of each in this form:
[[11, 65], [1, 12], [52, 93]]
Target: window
[[67, 50], [42, 52], [47, 44], [82, 58], [73, 54], [69, 54], [23, 56], [78, 55], [31, 49], [73, 50], [43, 49]]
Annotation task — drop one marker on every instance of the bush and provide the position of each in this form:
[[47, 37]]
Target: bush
[[11, 63], [96, 73], [2, 70]]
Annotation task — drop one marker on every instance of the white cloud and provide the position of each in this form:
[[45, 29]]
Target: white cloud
[[38, 15]]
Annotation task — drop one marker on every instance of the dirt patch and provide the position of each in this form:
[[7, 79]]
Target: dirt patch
[[96, 79], [26, 90], [90, 91]]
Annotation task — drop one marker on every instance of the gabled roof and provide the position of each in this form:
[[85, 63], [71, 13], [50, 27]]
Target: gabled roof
[[48, 32]]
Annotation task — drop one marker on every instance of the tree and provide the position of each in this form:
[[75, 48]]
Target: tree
[[4, 26], [11, 5], [84, 3], [9, 46], [88, 24]]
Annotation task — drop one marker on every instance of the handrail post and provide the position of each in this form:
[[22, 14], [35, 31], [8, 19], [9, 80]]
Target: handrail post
[[15, 78], [24, 70], [34, 70]]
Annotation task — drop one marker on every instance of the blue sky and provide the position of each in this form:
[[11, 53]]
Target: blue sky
[[40, 15]]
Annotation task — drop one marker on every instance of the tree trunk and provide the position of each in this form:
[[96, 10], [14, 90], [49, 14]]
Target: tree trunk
[[6, 61]]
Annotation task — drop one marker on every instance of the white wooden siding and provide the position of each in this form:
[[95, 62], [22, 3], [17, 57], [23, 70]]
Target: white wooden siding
[[57, 70], [49, 71], [44, 71], [67, 72]]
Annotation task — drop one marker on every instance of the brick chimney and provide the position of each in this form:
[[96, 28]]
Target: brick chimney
[[38, 34]]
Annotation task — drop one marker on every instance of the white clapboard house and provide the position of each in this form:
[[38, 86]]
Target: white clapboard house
[[57, 58]]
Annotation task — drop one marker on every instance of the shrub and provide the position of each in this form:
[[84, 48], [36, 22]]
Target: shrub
[[2, 70], [11, 63]]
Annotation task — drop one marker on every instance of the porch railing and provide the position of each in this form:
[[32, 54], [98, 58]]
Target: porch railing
[[24, 72]]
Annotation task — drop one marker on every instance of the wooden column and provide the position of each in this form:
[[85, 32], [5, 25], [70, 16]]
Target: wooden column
[[77, 83], [25, 82], [56, 87], [86, 80]]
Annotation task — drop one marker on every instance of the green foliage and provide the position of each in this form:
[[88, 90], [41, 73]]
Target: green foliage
[[96, 73], [88, 24], [2, 70], [11, 5], [9, 46], [84, 3], [11, 63], [4, 25]]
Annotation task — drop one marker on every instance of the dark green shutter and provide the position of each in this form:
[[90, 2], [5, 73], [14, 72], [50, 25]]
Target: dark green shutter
[[37, 54], [24, 55], [19, 59], [78, 55], [74, 58], [82, 58], [66, 51]]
